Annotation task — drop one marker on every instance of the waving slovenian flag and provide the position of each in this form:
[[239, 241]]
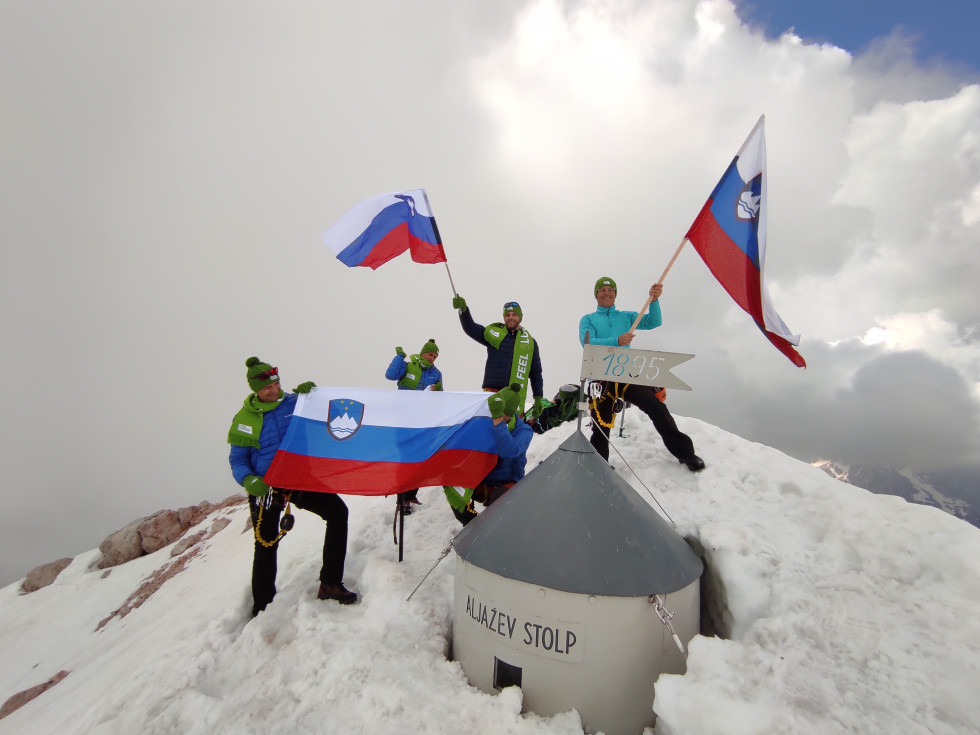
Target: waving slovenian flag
[[364, 441], [385, 226], [730, 236]]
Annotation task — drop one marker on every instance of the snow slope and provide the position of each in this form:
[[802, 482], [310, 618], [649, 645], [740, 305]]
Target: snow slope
[[841, 611]]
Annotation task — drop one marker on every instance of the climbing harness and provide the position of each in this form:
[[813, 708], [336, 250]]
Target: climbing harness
[[286, 523], [600, 395]]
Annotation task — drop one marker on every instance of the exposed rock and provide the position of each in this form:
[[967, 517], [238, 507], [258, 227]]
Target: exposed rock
[[18, 700], [154, 532], [150, 585], [185, 543], [161, 529], [44, 575]]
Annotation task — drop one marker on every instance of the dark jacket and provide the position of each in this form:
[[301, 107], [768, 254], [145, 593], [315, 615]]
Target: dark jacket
[[496, 374]]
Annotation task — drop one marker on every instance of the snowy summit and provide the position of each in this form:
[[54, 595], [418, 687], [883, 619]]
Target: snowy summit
[[831, 610]]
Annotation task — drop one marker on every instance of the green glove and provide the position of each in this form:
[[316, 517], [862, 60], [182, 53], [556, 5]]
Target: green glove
[[255, 485], [496, 404], [304, 387], [538, 406], [399, 351], [459, 303]]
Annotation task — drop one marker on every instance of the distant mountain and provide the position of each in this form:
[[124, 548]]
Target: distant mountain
[[955, 491]]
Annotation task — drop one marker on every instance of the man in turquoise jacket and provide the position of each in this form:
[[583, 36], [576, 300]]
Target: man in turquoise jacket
[[609, 326]]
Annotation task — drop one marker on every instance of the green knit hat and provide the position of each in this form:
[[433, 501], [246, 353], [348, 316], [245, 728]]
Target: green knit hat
[[429, 346], [260, 374], [504, 402], [514, 307], [604, 281]]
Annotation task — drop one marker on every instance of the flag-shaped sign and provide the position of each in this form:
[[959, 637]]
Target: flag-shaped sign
[[364, 441], [730, 236], [385, 226]]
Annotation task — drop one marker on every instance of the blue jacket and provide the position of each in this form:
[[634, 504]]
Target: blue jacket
[[396, 371], [511, 452], [496, 374], [251, 461], [606, 323]]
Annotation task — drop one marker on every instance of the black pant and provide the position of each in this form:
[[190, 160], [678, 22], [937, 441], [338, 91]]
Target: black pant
[[644, 398], [329, 507]]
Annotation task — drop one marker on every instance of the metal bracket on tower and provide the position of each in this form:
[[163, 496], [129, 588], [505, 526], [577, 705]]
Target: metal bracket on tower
[[659, 607]]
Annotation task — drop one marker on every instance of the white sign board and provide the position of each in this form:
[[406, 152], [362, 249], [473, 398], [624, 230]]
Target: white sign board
[[640, 367]]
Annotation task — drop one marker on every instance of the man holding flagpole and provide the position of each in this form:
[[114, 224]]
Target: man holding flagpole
[[609, 326], [512, 353]]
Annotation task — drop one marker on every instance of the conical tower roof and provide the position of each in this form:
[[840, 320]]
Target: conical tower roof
[[572, 524]]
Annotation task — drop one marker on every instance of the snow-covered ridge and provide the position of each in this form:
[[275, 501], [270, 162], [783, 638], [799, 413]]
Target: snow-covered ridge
[[905, 483], [843, 611]]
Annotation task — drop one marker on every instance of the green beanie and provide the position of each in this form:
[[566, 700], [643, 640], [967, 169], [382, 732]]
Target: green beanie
[[429, 346], [604, 281], [260, 374], [514, 307], [504, 402]]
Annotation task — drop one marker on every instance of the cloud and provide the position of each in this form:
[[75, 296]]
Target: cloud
[[170, 170]]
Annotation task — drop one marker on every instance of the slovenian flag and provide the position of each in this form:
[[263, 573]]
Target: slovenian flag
[[385, 226], [364, 441], [730, 236]]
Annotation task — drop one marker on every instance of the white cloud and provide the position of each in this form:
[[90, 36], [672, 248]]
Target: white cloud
[[170, 170]]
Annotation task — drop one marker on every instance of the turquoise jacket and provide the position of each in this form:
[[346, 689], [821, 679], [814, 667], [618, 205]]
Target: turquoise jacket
[[606, 323]]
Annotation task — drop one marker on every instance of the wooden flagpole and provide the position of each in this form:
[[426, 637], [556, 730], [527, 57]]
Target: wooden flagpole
[[451, 278], [662, 277]]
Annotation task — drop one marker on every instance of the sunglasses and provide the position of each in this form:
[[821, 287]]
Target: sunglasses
[[511, 305], [267, 374]]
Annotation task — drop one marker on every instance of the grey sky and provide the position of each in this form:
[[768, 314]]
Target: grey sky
[[168, 169]]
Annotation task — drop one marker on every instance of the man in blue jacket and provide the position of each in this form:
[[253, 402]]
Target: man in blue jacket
[[511, 437], [255, 435], [611, 327], [418, 372]]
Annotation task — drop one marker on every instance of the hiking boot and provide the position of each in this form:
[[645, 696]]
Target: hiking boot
[[693, 462], [336, 592]]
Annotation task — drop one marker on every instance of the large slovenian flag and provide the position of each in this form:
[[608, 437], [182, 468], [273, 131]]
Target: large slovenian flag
[[385, 226], [363, 441], [730, 236]]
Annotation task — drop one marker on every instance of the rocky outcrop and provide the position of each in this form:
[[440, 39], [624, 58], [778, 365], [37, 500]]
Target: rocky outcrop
[[44, 575], [18, 700], [152, 533]]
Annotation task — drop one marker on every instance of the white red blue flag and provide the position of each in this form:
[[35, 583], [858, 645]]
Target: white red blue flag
[[368, 441], [730, 236], [385, 226]]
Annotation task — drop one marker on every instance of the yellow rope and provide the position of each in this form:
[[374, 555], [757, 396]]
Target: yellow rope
[[258, 523], [595, 406]]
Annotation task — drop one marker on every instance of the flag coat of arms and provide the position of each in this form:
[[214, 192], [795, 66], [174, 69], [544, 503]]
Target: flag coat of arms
[[364, 441], [730, 236], [385, 226]]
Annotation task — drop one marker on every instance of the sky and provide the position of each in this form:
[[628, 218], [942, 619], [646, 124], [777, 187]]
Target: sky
[[168, 171], [842, 611]]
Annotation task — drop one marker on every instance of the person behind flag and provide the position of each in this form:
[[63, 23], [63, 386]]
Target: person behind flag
[[512, 353], [609, 326], [418, 372], [512, 437], [255, 435]]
